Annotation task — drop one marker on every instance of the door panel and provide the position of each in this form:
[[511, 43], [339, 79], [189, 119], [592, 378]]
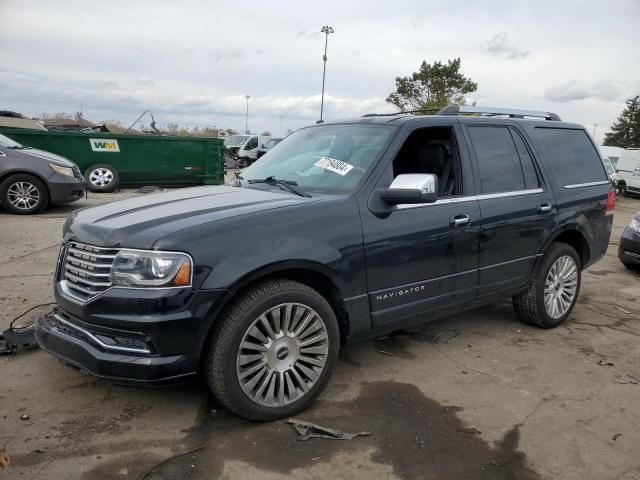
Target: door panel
[[518, 208], [416, 261], [417, 258], [513, 230]]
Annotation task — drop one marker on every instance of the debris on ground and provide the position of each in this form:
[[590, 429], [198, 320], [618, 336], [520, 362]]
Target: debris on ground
[[19, 336], [147, 189], [623, 310], [24, 416], [307, 431], [604, 364], [5, 460], [14, 338], [615, 437], [470, 429]]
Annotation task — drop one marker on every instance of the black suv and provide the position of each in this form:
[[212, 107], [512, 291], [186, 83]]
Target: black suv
[[344, 230]]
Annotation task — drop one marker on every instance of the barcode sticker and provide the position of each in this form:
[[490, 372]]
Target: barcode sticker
[[333, 165]]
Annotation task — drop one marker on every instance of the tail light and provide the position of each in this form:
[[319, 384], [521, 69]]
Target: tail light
[[611, 201]]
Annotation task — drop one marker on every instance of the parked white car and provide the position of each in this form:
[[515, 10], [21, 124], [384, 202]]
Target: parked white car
[[249, 149], [628, 170]]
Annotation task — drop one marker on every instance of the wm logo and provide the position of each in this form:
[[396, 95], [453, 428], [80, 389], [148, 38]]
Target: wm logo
[[104, 145]]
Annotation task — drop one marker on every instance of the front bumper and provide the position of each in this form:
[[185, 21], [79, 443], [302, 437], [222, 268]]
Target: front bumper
[[629, 248], [131, 336], [63, 189]]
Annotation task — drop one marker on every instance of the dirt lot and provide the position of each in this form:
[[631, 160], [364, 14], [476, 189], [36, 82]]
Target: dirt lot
[[554, 404]]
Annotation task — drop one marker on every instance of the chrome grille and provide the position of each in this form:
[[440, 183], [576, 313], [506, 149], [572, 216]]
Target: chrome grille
[[86, 269]]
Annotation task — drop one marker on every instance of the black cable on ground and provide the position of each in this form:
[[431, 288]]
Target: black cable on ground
[[11, 327], [13, 337]]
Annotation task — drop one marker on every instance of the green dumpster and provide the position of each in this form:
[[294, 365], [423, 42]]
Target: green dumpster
[[111, 159]]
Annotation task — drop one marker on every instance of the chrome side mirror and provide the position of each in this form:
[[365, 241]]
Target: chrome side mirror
[[411, 188]]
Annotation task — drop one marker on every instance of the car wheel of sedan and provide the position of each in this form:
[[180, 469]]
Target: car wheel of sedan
[[24, 194], [554, 288], [102, 178], [274, 352]]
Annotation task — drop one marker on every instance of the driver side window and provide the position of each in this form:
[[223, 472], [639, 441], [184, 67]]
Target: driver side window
[[432, 150]]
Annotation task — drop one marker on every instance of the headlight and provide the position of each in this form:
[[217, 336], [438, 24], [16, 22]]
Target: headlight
[[635, 225], [135, 268], [68, 171]]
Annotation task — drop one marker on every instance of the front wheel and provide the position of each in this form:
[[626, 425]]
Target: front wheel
[[274, 351], [554, 288], [24, 194], [102, 177]]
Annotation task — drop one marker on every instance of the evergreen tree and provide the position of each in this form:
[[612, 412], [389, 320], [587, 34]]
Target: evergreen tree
[[433, 86], [625, 132]]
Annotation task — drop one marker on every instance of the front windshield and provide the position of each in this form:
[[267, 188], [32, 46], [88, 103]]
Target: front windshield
[[331, 158], [6, 142], [272, 143], [235, 140]]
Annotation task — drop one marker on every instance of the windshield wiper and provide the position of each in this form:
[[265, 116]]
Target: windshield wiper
[[286, 184]]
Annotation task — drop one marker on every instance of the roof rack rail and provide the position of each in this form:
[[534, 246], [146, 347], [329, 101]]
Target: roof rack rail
[[453, 110], [404, 112]]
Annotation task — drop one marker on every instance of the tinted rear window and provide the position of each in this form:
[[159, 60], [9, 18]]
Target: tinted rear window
[[498, 160], [572, 155]]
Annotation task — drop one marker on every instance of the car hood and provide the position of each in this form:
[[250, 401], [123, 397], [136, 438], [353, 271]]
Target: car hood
[[140, 222], [48, 156]]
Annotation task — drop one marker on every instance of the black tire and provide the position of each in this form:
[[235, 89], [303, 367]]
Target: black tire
[[530, 305], [223, 348], [623, 189], [94, 186], [26, 179]]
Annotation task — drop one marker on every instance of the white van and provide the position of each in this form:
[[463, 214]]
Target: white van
[[249, 149], [628, 170], [612, 153]]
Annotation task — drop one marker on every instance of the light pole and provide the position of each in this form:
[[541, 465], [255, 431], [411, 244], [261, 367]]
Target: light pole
[[326, 30], [246, 121]]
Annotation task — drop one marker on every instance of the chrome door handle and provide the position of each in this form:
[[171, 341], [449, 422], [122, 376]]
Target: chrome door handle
[[544, 207], [460, 220]]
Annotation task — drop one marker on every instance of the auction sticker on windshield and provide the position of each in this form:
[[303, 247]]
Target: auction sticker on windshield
[[333, 165]]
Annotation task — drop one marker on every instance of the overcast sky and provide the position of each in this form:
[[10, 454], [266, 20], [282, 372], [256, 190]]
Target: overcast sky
[[194, 62]]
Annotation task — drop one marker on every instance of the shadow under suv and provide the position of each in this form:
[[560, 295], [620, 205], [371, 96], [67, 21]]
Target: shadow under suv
[[345, 230]]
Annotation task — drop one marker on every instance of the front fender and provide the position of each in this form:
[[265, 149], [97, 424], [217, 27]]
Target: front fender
[[262, 258]]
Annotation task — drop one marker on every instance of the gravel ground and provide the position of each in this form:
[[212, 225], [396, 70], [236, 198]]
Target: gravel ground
[[476, 395]]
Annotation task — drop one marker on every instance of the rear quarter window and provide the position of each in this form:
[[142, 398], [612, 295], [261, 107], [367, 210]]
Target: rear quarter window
[[571, 155]]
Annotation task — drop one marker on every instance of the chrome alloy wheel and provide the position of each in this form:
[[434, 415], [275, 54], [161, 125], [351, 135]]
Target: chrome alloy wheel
[[101, 177], [23, 195], [282, 354], [561, 286]]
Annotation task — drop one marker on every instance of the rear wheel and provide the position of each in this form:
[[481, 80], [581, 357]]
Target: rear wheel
[[274, 351], [102, 177], [554, 288], [24, 194]]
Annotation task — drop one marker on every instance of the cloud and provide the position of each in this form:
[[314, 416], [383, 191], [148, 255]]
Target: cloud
[[233, 54], [305, 35], [574, 90], [498, 46], [198, 105]]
